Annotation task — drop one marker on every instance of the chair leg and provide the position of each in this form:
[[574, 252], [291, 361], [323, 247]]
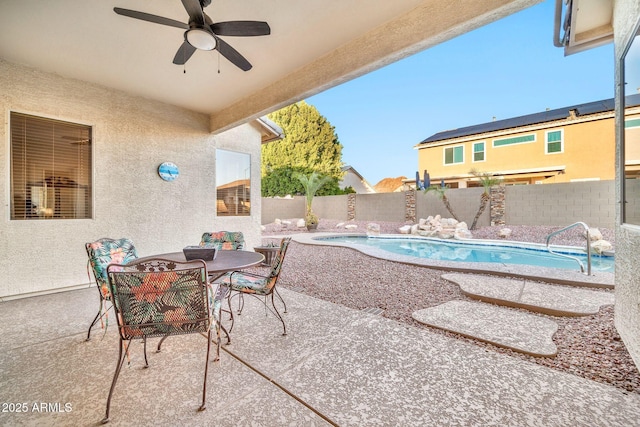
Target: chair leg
[[95, 320], [230, 313], [146, 361], [203, 406], [99, 315], [275, 289], [240, 303], [159, 348], [277, 313], [121, 357]]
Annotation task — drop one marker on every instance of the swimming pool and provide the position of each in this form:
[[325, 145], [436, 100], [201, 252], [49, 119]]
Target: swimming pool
[[478, 252]]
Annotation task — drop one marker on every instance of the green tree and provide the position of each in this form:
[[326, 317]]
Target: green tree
[[310, 145], [311, 183], [487, 180], [281, 181]]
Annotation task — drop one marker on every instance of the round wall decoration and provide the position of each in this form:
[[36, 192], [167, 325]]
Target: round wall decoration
[[168, 171]]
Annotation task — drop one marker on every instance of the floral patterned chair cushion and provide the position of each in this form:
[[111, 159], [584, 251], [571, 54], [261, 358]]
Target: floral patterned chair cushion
[[105, 251], [227, 240], [250, 283]]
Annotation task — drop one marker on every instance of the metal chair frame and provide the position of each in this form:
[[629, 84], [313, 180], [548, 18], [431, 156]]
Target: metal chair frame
[[143, 291], [101, 280], [270, 293]]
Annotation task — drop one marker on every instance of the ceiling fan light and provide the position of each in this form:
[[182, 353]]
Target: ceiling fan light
[[201, 39]]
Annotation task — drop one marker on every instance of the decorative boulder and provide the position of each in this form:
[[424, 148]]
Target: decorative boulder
[[445, 234], [405, 229], [263, 228], [504, 233], [351, 226], [278, 221], [340, 225], [301, 223], [462, 231], [414, 229], [373, 229], [594, 234], [285, 224], [601, 246]]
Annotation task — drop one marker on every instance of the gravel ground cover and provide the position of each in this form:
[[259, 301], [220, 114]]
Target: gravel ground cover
[[588, 346]]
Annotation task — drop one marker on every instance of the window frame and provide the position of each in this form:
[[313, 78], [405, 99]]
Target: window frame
[[624, 219], [244, 202], [493, 142], [484, 152], [90, 163], [546, 141], [444, 155]]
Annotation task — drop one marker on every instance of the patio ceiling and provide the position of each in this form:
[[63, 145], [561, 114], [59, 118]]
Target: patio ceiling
[[314, 45]]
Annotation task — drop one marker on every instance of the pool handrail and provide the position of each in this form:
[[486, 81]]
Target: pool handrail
[[586, 227]]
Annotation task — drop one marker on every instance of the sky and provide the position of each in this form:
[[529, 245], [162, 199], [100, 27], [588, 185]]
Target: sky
[[506, 69]]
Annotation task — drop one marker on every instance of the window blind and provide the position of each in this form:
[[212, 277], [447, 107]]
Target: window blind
[[50, 168]]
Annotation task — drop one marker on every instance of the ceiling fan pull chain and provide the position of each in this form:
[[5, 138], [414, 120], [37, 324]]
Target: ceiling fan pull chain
[[218, 62]]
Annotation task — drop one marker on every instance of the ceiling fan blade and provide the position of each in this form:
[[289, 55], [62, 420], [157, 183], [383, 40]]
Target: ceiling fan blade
[[150, 18], [194, 9], [241, 28], [184, 53], [232, 55]]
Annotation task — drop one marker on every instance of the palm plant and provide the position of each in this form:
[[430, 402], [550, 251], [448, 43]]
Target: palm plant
[[311, 184], [487, 180], [440, 191]]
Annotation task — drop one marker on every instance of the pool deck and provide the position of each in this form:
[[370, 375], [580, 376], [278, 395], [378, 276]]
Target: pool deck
[[551, 275], [336, 366]]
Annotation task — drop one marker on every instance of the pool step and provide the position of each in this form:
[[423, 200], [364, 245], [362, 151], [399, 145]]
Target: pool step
[[556, 300], [523, 332]]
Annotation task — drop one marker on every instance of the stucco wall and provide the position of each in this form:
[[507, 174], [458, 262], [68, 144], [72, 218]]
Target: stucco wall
[[627, 308], [380, 207], [282, 209], [132, 136], [561, 204], [464, 202], [549, 204]]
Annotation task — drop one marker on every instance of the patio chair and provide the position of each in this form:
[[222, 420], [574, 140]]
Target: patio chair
[[226, 240], [158, 298], [241, 283], [101, 253]]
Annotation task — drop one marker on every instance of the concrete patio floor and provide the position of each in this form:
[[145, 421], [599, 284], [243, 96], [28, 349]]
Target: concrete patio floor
[[336, 366]]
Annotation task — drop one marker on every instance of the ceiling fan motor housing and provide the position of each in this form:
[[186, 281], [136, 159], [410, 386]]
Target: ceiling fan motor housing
[[200, 38]]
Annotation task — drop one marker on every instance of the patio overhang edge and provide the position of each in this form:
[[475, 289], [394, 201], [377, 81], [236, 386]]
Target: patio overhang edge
[[397, 39]]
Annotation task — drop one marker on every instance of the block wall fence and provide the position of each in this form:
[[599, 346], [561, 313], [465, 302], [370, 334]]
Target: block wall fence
[[592, 202]]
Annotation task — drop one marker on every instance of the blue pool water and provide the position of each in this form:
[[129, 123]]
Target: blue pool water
[[474, 252]]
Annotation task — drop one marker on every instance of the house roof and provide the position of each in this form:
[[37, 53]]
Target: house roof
[[313, 45], [389, 185], [530, 119], [269, 130]]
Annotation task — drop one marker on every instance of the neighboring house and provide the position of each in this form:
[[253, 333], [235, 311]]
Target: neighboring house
[[570, 144], [392, 185], [354, 180]]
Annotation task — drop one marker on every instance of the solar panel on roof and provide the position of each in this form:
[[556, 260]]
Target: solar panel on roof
[[530, 119]]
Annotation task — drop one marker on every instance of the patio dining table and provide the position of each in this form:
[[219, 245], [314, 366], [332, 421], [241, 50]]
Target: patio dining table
[[225, 260]]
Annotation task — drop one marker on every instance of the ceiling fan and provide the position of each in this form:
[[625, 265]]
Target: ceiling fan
[[202, 33]]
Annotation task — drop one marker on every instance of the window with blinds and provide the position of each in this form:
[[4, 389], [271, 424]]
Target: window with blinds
[[50, 168]]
